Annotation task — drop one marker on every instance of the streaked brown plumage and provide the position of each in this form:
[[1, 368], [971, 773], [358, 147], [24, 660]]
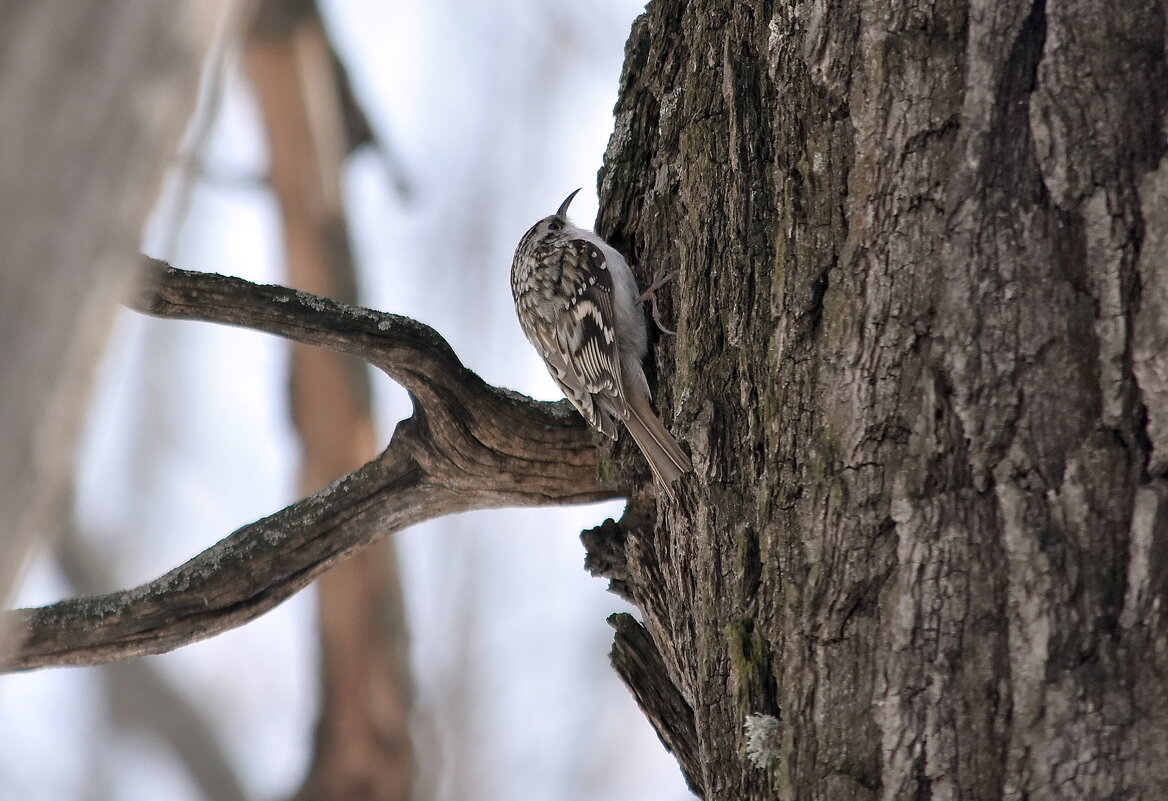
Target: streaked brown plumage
[[577, 303]]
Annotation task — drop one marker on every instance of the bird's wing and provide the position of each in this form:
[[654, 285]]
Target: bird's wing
[[585, 355]]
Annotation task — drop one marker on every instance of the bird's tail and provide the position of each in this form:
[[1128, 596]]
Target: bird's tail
[[665, 456]]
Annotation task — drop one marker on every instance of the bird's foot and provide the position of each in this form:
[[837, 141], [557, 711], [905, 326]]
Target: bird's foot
[[660, 279]]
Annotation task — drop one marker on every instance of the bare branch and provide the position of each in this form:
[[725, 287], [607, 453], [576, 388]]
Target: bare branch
[[635, 657], [403, 348], [468, 446]]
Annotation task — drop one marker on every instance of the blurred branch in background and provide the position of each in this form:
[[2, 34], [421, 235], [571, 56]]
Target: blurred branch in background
[[363, 747], [357, 129], [185, 169]]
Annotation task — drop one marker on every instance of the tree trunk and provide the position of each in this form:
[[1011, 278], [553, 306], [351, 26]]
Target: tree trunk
[[922, 313]]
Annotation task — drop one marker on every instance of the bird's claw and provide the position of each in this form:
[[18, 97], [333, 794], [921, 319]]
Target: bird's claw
[[660, 279]]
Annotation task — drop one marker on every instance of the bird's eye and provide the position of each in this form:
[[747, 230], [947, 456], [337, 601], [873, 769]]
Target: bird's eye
[[555, 225]]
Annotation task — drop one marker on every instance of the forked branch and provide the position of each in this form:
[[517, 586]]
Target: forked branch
[[468, 446]]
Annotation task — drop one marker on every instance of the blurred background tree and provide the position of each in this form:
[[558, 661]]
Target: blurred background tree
[[327, 152]]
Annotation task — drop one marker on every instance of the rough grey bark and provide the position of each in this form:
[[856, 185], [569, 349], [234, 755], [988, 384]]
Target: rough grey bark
[[922, 314], [94, 95]]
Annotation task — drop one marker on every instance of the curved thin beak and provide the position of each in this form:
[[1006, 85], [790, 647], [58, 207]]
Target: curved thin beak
[[562, 211]]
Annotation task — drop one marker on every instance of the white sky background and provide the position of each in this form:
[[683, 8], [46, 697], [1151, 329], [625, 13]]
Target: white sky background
[[497, 109]]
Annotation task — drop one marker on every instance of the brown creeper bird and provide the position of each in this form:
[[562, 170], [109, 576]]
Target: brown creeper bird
[[577, 302]]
